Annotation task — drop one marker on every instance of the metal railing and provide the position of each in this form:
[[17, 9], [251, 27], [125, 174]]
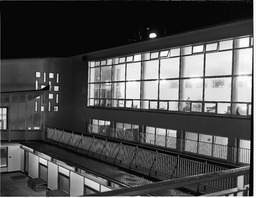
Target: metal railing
[[216, 151], [239, 189], [149, 162]]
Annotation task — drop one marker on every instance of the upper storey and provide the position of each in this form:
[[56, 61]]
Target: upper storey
[[179, 73]]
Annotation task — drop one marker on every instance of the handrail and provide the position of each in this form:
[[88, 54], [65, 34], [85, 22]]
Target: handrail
[[218, 151], [176, 183]]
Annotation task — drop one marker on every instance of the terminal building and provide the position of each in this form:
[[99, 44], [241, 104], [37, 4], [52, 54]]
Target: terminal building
[[168, 116]]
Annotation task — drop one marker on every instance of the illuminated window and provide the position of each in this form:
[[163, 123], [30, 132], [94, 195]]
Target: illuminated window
[[3, 117], [51, 75], [38, 74]]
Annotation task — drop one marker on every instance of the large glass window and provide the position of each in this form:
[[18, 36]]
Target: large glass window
[[133, 71], [192, 66], [119, 72], [169, 68], [150, 69], [169, 89], [213, 77], [219, 63]]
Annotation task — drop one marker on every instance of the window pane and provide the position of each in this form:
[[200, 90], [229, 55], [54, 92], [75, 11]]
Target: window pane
[[150, 69], [169, 89], [242, 89], [146, 56], [169, 68], [192, 89], [186, 50], [219, 63], [211, 47], [198, 48], [150, 90], [118, 90], [175, 52], [133, 71], [137, 57], [191, 142], [192, 66], [105, 90], [154, 55], [226, 45], [164, 53], [242, 42], [223, 108], [218, 89], [119, 72], [243, 61], [94, 91], [106, 74], [133, 90], [38, 74], [95, 74]]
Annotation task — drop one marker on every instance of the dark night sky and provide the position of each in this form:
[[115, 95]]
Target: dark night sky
[[62, 29]]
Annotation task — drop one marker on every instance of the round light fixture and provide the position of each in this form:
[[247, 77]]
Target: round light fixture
[[152, 35]]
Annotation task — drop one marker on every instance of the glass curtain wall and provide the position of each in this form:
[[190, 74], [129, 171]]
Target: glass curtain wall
[[213, 77]]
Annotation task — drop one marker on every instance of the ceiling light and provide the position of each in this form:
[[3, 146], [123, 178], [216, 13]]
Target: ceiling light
[[152, 35]]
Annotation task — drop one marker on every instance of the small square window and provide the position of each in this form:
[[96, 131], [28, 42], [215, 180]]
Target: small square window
[[164, 53], [116, 60], [137, 57], [211, 47], [42, 108], [242, 42], [146, 56], [198, 48], [154, 55], [55, 108], [122, 60], [109, 61], [224, 45], [129, 59], [103, 62], [92, 64], [56, 88], [175, 52], [50, 96], [186, 50], [51, 75], [97, 63], [38, 74]]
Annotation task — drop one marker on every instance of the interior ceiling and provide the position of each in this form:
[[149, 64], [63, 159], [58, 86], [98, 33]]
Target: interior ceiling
[[63, 29]]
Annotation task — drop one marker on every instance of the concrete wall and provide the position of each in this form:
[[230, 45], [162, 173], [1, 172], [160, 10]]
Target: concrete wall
[[20, 74], [213, 125]]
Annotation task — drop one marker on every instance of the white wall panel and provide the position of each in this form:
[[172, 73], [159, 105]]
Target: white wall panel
[[43, 161], [22, 155], [92, 184], [33, 165], [14, 158], [76, 184], [64, 171], [52, 176]]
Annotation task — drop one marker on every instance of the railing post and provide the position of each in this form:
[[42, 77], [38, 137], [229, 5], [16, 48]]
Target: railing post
[[240, 184]]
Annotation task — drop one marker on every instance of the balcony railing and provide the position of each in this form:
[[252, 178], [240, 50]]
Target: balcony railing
[[149, 162], [216, 151]]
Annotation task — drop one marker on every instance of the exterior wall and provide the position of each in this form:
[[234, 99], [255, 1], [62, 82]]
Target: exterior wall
[[213, 125], [20, 75]]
